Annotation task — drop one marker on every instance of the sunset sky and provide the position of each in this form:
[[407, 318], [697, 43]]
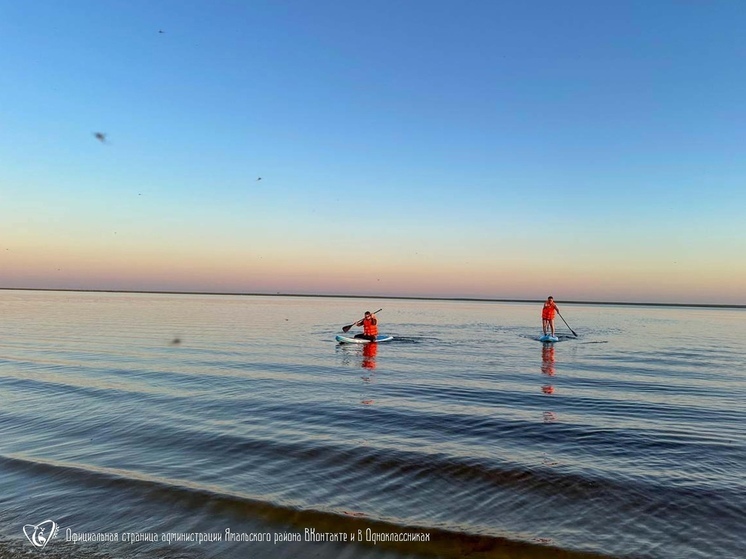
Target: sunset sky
[[588, 150]]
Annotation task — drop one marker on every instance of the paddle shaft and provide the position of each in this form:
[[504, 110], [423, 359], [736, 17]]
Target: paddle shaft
[[566, 324], [347, 328]]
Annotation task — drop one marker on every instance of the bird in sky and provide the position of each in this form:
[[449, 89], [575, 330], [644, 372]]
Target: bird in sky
[[100, 136]]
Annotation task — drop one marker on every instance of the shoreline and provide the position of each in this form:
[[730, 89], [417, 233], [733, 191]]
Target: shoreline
[[395, 297]]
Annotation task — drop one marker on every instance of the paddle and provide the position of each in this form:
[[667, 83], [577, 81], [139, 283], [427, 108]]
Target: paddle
[[347, 328], [566, 324]]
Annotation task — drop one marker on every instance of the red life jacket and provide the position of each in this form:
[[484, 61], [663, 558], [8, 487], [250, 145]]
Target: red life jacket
[[369, 328], [547, 311]]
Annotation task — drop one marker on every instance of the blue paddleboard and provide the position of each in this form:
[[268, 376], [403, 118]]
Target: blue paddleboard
[[549, 338]]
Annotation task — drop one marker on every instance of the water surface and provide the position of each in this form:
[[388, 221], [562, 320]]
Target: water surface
[[142, 414]]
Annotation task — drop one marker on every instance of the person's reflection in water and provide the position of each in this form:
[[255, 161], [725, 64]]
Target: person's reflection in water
[[547, 359], [369, 356], [369, 363], [547, 368]]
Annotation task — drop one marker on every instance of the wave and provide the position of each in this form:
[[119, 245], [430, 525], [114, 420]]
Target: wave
[[437, 541]]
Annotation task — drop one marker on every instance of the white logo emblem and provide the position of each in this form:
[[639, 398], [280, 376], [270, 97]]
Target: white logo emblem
[[40, 534]]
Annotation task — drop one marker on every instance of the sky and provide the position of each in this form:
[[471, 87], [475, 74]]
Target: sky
[[593, 151]]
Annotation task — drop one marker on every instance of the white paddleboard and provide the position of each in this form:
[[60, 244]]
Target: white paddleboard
[[350, 340]]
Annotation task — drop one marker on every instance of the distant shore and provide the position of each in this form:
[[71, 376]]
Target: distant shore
[[395, 297]]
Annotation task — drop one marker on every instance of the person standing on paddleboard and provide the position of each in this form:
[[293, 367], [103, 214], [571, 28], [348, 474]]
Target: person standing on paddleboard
[[370, 327], [547, 315]]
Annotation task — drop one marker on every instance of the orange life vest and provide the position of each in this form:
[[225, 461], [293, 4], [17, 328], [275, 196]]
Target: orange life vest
[[547, 311], [369, 328]]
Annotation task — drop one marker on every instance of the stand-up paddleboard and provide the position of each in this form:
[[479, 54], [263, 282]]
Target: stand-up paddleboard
[[548, 338], [350, 340]]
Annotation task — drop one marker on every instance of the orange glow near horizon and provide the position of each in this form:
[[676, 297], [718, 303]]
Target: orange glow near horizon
[[187, 268]]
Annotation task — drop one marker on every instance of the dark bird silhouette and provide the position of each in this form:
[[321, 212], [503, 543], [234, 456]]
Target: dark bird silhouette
[[100, 136], [260, 178], [161, 31]]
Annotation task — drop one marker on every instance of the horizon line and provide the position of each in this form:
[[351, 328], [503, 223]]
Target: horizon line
[[398, 297]]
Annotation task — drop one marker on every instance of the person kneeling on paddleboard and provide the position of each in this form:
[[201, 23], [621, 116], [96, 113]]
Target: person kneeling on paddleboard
[[547, 315], [370, 327]]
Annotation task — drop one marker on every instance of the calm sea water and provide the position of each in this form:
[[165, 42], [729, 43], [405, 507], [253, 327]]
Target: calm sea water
[[135, 417]]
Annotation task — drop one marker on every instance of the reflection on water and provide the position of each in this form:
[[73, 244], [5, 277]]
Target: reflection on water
[[368, 362], [547, 359], [547, 366], [362, 355], [548, 369], [369, 356]]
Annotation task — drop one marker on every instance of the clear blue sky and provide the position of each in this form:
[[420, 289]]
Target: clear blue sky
[[591, 150]]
